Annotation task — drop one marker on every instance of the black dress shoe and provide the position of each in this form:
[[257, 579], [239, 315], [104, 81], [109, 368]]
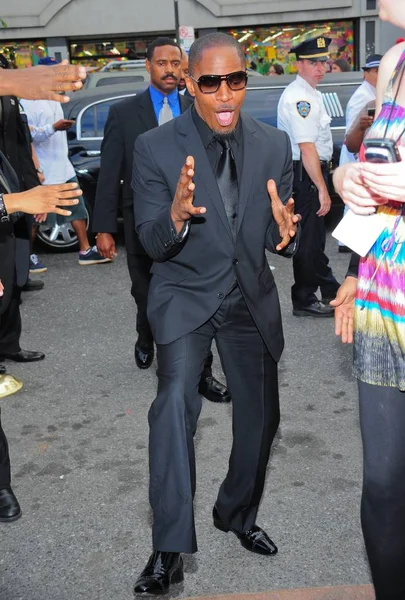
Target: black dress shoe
[[2, 370], [144, 355], [33, 285], [163, 569], [316, 309], [255, 539], [9, 508], [213, 390], [24, 356]]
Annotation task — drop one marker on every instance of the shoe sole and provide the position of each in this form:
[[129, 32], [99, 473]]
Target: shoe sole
[[303, 313], [43, 270], [83, 263], [11, 519]]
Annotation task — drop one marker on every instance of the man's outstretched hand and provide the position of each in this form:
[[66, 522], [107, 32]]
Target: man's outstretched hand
[[182, 206], [283, 215]]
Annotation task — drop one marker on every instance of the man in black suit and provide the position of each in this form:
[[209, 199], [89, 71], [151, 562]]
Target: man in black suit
[[207, 232], [14, 143], [126, 121]]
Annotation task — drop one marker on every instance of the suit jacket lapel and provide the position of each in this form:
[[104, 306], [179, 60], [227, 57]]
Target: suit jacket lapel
[[250, 159], [147, 112], [204, 176]]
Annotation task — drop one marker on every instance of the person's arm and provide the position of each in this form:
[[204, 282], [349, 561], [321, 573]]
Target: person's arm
[[112, 166], [41, 199], [312, 165], [283, 233], [37, 166], [355, 135], [162, 220], [42, 82]]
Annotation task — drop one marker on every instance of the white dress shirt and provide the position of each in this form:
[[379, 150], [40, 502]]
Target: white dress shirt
[[302, 114], [364, 94], [51, 146]]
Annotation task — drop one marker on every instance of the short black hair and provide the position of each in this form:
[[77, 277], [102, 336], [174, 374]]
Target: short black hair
[[213, 40], [157, 43]]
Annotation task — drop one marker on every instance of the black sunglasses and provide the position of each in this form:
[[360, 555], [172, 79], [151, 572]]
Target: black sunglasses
[[209, 84]]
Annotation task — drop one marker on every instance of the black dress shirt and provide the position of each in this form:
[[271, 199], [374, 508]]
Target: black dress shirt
[[214, 148]]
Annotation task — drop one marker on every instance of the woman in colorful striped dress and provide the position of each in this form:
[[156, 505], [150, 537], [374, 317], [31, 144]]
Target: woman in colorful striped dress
[[371, 302]]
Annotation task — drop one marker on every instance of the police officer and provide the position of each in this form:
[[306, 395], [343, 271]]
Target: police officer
[[302, 115]]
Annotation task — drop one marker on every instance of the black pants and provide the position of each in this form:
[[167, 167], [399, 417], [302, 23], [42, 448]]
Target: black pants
[[4, 459], [139, 265], [382, 421], [10, 324], [310, 263], [252, 379]]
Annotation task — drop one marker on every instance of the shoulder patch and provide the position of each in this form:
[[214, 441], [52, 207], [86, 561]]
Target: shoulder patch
[[303, 108]]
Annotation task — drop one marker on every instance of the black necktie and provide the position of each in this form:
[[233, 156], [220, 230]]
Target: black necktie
[[227, 180]]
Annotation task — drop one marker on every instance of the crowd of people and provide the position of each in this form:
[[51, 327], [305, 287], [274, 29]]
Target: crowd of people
[[204, 196]]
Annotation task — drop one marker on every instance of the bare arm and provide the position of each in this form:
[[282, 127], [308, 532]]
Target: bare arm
[[42, 82]]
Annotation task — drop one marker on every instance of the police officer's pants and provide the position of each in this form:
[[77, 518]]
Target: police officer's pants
[[310, 263]]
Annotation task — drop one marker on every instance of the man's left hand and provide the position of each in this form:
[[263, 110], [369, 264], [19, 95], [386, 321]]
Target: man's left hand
[[283, 215]]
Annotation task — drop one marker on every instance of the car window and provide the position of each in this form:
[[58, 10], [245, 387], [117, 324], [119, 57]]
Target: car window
[[92, 121]]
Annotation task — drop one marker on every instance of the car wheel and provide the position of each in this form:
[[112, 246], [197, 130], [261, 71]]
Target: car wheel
[[61, 237]]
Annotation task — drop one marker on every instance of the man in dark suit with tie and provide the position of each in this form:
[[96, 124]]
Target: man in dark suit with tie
[[128, 119], [207, 232]]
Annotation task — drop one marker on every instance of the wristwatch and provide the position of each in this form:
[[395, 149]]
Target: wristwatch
[[40, 171]]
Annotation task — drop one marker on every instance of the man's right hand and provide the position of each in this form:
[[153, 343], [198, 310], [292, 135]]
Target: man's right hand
[[106, 245], [325, 203], [63, 124], [44, 199], [182, 206]]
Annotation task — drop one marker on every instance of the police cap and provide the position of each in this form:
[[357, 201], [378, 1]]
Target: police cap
[[315, 49]]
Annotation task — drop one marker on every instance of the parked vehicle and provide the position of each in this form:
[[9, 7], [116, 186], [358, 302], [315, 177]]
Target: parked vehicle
[[101, 79], [90, 109]]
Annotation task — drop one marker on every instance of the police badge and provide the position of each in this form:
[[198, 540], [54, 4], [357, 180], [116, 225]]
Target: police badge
[[304, 108]]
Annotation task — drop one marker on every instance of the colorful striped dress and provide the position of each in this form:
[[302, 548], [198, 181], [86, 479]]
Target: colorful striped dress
[[379, 319]]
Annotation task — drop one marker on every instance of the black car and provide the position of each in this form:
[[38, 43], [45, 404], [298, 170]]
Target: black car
[[89, 109]]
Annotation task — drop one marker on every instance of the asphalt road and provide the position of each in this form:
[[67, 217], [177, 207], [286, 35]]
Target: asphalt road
[[78, 440]]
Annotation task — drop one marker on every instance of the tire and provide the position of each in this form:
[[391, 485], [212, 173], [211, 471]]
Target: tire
[[62, 238]]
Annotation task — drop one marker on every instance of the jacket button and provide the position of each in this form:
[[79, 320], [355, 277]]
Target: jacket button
[[220, 295], [235, 261]]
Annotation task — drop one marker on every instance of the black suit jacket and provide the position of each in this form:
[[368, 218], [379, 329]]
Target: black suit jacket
[[15, 144], [191, 278], [126, 121]]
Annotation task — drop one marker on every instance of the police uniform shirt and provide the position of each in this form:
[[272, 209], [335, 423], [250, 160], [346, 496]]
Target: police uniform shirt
[[364, 94], [302, 114]]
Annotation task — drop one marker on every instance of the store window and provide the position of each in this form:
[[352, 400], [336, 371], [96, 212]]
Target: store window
[[267, 46], [95, 54], [23, 54]]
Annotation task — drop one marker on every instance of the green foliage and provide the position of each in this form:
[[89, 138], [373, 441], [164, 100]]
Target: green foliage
[[3, 24]]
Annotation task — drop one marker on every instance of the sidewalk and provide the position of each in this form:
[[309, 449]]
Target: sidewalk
[[358, 592]]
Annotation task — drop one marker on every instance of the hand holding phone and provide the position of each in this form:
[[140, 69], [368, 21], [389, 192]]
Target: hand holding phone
[[371, 112]]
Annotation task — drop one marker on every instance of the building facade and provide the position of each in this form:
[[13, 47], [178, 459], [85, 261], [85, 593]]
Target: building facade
[[94, 32]]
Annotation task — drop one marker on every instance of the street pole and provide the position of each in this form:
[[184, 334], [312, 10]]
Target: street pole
[[176, 20]]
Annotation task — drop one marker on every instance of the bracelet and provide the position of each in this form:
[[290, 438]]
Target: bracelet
[[4, 216]]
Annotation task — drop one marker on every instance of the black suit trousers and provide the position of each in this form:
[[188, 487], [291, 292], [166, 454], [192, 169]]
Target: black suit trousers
[[251, 374], [4, 459], [10, 324], [139, 265], [310, 263]]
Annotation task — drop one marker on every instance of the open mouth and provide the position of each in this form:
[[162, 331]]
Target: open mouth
[[225, 117]]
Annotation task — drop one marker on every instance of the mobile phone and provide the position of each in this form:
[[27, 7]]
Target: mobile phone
[[371, 112], [381, 150]]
